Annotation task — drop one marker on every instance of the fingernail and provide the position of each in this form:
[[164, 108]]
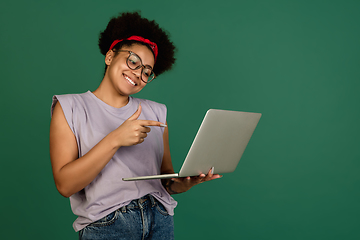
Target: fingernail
[[163, 125]]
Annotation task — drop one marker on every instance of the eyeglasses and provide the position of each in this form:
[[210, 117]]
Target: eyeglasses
[[134, 62]]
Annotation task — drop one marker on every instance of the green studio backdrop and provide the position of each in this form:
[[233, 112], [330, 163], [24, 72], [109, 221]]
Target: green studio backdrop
[[296, 62]]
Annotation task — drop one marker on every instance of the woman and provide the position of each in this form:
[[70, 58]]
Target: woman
[[99, 137]]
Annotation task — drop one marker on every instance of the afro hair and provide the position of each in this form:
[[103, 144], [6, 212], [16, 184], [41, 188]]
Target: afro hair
[[132, 24]]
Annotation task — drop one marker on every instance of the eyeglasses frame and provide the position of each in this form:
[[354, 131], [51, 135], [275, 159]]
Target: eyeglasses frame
[[141, 64]]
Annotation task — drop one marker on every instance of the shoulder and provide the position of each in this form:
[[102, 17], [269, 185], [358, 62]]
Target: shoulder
[[68, 101], [70, 105]]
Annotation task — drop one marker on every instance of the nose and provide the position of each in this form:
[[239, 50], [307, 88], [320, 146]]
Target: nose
[[137, 72]]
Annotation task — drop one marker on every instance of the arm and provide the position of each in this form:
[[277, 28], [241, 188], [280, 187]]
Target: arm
[[71, 173], [179, 185]]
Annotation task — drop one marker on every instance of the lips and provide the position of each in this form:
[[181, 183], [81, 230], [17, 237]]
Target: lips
[[129, 80]]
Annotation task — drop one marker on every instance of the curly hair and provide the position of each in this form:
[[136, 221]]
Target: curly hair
[[132, 24]]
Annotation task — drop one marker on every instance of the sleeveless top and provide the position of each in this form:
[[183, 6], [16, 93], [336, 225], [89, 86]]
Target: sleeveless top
[[91, 119]]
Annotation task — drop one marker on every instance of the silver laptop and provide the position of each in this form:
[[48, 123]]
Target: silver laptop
[[219, 144]]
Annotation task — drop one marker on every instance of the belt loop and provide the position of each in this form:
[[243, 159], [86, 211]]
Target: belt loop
[[153, 200], [123, 209]]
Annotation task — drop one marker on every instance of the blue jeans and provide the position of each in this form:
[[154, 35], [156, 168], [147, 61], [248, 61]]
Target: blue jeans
[[144, 218]]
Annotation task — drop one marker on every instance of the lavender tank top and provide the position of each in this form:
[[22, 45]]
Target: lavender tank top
[[90, 119]]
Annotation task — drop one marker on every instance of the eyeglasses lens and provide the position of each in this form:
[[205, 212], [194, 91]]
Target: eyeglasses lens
[[133, 62]]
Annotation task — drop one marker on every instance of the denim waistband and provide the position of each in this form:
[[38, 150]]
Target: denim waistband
[[140, 203]]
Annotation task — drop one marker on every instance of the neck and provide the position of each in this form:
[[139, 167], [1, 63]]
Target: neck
[[110, 96]]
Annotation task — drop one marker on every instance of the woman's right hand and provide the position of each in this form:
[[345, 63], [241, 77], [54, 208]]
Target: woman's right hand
[[71, 172], [133, 131]]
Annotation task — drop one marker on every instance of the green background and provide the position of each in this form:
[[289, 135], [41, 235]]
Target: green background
[[296, 62]]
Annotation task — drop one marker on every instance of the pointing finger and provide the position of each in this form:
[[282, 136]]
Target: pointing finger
[[151, 123]]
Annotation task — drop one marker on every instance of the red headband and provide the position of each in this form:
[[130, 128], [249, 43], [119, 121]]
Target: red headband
[[139, 39]]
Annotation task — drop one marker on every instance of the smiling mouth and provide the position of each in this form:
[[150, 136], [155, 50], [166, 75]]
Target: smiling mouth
[[129, 80]]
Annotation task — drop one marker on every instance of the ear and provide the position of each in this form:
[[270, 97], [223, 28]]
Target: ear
[[109, 57]]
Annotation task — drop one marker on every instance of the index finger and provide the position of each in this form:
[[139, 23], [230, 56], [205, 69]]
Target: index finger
[[151, 123]]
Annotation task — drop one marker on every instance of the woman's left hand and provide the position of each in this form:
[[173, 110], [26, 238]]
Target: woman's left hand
[[180, 185]]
